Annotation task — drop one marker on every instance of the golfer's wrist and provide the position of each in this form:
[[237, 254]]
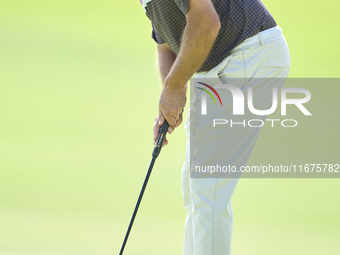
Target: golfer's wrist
[[174, 83]]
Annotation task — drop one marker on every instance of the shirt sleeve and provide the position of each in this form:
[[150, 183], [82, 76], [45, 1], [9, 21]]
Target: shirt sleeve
[[158, 39], [183, 5]]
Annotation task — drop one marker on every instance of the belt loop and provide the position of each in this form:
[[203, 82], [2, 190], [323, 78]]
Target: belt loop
[[261, 39]]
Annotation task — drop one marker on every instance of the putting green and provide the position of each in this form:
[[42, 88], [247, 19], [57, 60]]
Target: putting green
[[78, 98]]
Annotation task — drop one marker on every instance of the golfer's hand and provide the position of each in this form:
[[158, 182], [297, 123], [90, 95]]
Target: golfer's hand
[[156, 128], [171, 105], [177, 120]]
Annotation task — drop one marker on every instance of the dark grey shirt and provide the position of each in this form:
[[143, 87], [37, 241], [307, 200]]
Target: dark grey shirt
[[240, 19]]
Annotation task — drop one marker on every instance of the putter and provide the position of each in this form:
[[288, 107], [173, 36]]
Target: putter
[[155, 153]]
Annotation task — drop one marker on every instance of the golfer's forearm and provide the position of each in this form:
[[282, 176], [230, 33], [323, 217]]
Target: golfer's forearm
[[166, 59], [197, 41]]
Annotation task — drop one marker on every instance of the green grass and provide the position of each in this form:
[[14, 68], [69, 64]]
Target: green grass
[[78, 97]]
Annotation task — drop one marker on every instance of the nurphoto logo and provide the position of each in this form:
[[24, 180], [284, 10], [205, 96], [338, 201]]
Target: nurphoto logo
[[239, 98]]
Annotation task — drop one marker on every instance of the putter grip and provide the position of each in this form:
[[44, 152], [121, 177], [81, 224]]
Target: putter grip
[[160, 139]]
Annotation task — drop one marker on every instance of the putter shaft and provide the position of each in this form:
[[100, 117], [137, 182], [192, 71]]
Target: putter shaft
[[155, 153]]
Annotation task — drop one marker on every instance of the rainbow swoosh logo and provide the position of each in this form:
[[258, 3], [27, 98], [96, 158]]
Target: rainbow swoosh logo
[[209, 93]]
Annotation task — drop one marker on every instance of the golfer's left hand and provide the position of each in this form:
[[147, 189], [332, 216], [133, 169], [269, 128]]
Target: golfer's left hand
[[171, 105]]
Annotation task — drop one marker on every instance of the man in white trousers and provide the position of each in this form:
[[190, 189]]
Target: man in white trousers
[[229, 41]]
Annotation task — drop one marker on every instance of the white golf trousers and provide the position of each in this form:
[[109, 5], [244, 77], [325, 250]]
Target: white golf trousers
[[207, 201]]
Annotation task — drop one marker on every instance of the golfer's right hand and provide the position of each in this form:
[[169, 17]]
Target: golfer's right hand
[[171, 104]]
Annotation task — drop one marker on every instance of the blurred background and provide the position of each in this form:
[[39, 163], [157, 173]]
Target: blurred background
[[79, 94]]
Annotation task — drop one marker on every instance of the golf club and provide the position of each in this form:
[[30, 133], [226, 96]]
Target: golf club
[[155, 153]]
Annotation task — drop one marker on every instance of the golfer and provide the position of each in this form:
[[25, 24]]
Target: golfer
[[222, 40]]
